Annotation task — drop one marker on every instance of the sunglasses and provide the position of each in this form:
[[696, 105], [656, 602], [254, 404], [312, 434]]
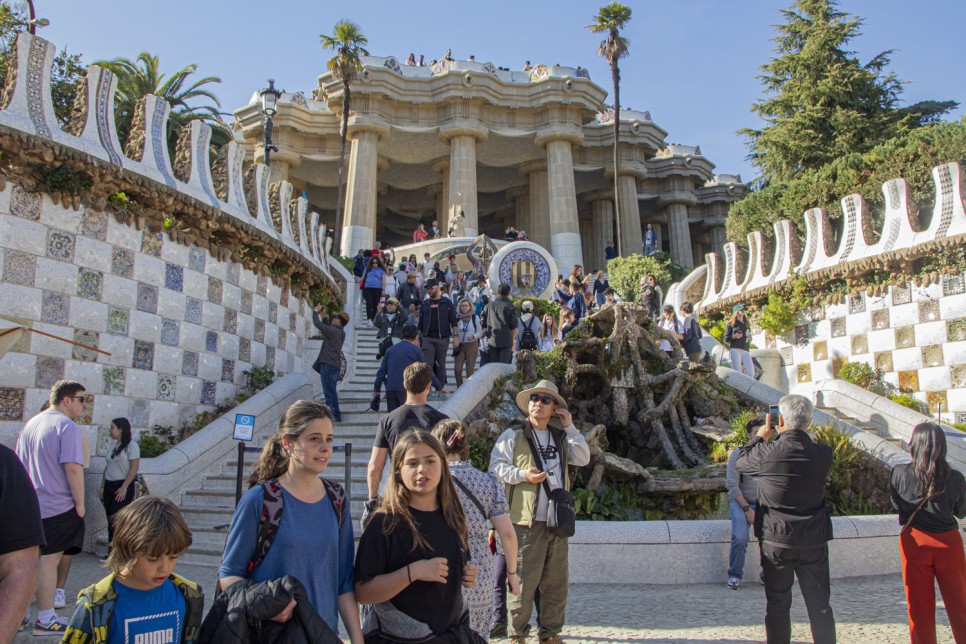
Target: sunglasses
[[546, 400], [80, 398]]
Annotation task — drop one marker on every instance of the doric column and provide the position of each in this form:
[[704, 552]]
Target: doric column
[[631, 236], [565, 243], [521, 204], [462, 174], [719, 237], [442, 198], [539, 231], [602, 226], [680, 233], [588, 243], [361, 189]]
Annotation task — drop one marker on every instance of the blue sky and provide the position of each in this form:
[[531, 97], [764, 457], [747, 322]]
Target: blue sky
[[692, 64]]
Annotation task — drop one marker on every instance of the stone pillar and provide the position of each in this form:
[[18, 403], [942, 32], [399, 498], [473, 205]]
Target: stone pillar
[[521, 203], [277, 171], [565, 243], [539, 232], [442, 202], [632, 239], [588, 244], [462, 176], [361, 191], [602, 218], [719, 237], [680, 234]]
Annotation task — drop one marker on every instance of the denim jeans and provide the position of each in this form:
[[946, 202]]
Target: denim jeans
[[739, 539], [330, 378]]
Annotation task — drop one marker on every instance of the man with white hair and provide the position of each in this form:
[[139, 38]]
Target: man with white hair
[[791, 520]]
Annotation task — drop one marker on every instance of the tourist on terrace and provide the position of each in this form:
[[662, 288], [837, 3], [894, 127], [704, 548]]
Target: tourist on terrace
[[650, 295], [330, 355], [600, 285], [929, 496], [411, 61], [670, 323], [373, 285], [742, 501], [484, 501], [609, 251], [692, 333], [469, 330], [610, 296], [650, 240], [561, 291], [522, 235], [549, 335], [736, 337], [420, 234], [526, 66], [511, 234], [792, 522], [121, 468], [577, 272], [434, 230], [422, 61]]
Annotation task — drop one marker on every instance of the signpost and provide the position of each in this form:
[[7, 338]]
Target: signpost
[[244, 433]]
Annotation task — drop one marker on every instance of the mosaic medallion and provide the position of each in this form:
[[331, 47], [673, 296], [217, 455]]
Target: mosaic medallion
[[117, 321], [173, 277], [25, 204], [122, 262], [113, 378], [231, 321], [259, 330], [883, 360], [526, 271], [244, 350], [55, 308], [196, 259], [211, 341], [214, 290], [227, 370], [189, 364], [246, 302], [208, 389], [170, 332], [166, 387], [95, 225], [956, 330], [928, 310], [89, 283], [89, 339], [19, 268], [932, 355], [49, 370], [192, 310], [147, 298], [880, 319], [60, 245], [151, 243], [909, 380], [143, 355]]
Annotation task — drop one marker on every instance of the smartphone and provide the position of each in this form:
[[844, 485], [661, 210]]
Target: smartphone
[[773, 415]]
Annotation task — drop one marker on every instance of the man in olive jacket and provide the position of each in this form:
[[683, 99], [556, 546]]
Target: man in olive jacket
[[791, 521]]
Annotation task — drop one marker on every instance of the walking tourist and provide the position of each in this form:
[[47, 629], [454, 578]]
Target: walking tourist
[[360, 264], [670, 323], [650, 240], [576, 274], [561, 291], [532, 462], [576, 302], [408, 294], [373, 284], [330, 355], [314, 519], [51, 448], [692, 333], [391, 283], [480, 295], [394, 363], [414, 413], [412, 558], [120, 470], [484, 501], [929, 496], [736, 337], [500, 322], [21, 537], [529, 328], [610, 296], [437, 324], [567, 322], [549, 334], [469, 330], [792, 522], [650, 297], [390, 321], [411, 61], [742, 501], [600, 285], [142, 599]]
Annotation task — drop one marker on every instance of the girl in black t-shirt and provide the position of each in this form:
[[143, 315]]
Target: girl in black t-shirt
[[413, 556]]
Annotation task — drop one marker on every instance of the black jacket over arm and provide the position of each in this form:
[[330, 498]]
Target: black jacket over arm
[[791, 475]]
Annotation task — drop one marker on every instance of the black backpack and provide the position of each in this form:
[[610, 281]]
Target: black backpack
[[528, 340]]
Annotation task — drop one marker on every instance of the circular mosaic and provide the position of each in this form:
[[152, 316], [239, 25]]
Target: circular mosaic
[[528, 269]]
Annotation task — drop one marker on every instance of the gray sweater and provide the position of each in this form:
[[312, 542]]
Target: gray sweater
[[333, 338], [736, 483]]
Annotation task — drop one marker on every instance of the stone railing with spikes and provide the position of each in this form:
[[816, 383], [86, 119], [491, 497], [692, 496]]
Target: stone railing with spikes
[[906, 235], [217, 206]]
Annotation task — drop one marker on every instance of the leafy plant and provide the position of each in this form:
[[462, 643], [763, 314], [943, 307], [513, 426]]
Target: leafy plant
[[625, 273], [857, 483], [540, 307], [348, 262], [61, 178], [738, 436], [861, 374], [778, 317], [258, 378], [909, 401], [960, 426], [480, 450], [151, 446]]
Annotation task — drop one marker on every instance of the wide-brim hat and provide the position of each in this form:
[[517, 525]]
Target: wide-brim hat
[[542, 387]]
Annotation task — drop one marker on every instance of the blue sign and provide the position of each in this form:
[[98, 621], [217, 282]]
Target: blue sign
[[244, 427]]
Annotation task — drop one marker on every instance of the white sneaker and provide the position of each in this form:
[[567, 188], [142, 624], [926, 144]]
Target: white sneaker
[[60, 598], [734, 583]]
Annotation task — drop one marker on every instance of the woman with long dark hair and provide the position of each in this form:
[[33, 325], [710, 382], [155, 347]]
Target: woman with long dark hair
[[373, 285], [929, 496], [120, 470]]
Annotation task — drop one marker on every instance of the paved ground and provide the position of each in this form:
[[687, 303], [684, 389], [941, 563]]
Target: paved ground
[[867, 609]]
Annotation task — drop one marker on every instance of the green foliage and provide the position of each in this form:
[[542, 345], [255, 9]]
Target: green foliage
[[908, 401], [861, 374], [540, 307], [736, 438], [715, 328], [258, 378], [960, 426], [151, 446], [550, 364], [778, 317], [348, 262], [61, 178], [852, 475], [625, 273], [480, 450], [605, 505]]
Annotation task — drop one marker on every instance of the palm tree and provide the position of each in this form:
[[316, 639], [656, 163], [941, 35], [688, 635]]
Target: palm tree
[[140, 77], [347, 41], [610, 20]]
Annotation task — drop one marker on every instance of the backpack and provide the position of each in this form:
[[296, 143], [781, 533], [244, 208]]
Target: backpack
[[529, 339], [271, 515]]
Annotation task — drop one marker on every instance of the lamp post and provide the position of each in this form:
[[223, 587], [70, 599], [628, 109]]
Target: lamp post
[[269, 100], [34, 21]]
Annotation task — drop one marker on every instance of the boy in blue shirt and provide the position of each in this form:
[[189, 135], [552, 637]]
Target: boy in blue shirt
[[142, 599]]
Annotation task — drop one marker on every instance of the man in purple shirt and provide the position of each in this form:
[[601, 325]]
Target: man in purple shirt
[[51, 448]]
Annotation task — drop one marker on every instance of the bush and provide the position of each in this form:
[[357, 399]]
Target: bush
[[960, 426], [257, 378], [539, 307], [863, 375], [151, 446], [908, 401], [625, 273], [778, 317], [348, 262], [738, 436], [857, 482]]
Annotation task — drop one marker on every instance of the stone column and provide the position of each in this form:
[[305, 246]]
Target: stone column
[[680, 233], [361, 191], [588, 243], [521, 203], [631, 236], [565, 243], [539, 232], [442, 202], [462, 175], [277, 170], [602, 218], [719, 237]]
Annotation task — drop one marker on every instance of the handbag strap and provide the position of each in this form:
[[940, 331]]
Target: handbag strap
[[921, 505], [476, 501], [528, 434]]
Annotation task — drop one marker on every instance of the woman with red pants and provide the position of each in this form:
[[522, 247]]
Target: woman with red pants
[[929, 495]]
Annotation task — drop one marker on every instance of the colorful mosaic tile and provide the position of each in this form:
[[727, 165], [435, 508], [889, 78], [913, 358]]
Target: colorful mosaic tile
[[117, 321], [801, 334], [957, 376], [140, 413], [173, 277], [25, 204], [122, 262], [196, 259], [804, 372], [860, 344], [143, 355], [961, 417], [956, 330], [282, 339], [883, 360], [227, 370], [909, 380], [60, 245], [189, 364], [820, 350], [49, 370], [87, 338], [11, 403], [905, 337], [259, 331], [231, 321], [166, 387], [283, 299], [261, 285], [837, 364], [55, 308], [170, 332], [928, 310], [901, 295], [246, 302], [208, 389], [954, 285], [113, 380], [937, 401], [234, 273], [19, 268], [880, 319], [270, 357], [857, 304], [215, 290], [147, 298], [87, 417], [90, 283], [244, 350], [838, 327], [291, 322], [273, 312], [151, 243], [211, 341], [932, 355], [192, 310], [95, 224]]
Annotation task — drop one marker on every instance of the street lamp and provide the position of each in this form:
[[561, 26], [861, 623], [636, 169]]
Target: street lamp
[[269, 100], [34, 21]]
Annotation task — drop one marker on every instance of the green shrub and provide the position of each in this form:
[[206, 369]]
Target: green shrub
[[539, 307], [738, 436], [960, 426], [861, 374], [908, 401], [779, 316], [348, 262], [715, 328], [61, 178], [258, 378], [151, 446], [857, 483], [625, 273]]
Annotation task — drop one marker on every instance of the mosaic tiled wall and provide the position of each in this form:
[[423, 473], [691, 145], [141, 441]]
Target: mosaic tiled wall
[[180, 325], [916, 335]]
